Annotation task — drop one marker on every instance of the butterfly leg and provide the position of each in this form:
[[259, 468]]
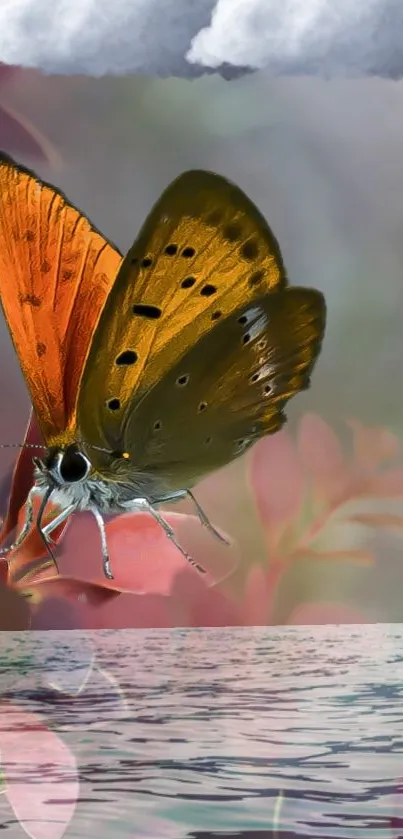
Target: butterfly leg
[[59, 519], [43, 535], [186, 493], [29, 517], [104, 544], [142, 503]]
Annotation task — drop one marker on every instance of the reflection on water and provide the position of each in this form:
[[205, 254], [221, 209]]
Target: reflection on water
[[231, 733]]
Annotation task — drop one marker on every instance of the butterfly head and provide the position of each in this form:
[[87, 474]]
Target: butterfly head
[[64, 467], [69, 474]]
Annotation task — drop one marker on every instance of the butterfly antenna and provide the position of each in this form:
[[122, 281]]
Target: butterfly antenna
[[22, 446], [123, 455], [98, 448]]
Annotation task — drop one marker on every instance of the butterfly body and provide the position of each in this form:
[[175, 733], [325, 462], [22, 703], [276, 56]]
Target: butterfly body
[[148, 372]]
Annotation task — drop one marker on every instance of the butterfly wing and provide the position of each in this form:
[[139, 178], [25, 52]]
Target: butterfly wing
[[204, 251], [55, 272], [200, 343], [227, 390]]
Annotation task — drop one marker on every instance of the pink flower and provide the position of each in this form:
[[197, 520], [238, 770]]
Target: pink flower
[[153, 583], [17, 134], [316, 501]]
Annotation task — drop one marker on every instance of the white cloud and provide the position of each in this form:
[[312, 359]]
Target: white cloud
[[189, 37], [102, 36], [321, 37]]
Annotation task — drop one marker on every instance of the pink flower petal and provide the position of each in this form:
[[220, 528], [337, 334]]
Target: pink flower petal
[[40, 773], [276, 480], [129, 611], [192, 604], [309, 614], [69, 588], [3, 571], [23, 478], [14, 610], [322, 459], [143, 559]]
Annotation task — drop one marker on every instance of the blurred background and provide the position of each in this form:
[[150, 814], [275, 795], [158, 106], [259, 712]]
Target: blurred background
[[318, 512]]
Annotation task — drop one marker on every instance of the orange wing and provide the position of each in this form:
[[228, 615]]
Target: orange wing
[[55, 272]]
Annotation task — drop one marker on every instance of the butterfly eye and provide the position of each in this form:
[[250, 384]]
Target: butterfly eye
[[202, 407], [157, 425], [216, 315], [146, 262], [188, 253], [188, 282], [171, 250], [72, 466]]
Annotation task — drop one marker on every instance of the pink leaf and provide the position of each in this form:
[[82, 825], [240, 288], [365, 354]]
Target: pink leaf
[[143, 559], [40, 774]]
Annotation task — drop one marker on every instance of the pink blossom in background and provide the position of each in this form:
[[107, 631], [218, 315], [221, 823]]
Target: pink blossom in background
[[317, 501]]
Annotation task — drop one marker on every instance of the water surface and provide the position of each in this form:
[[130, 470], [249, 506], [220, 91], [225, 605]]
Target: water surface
[[267, 732]]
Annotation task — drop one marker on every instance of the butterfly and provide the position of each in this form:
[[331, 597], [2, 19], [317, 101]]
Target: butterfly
[[147, 372]]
